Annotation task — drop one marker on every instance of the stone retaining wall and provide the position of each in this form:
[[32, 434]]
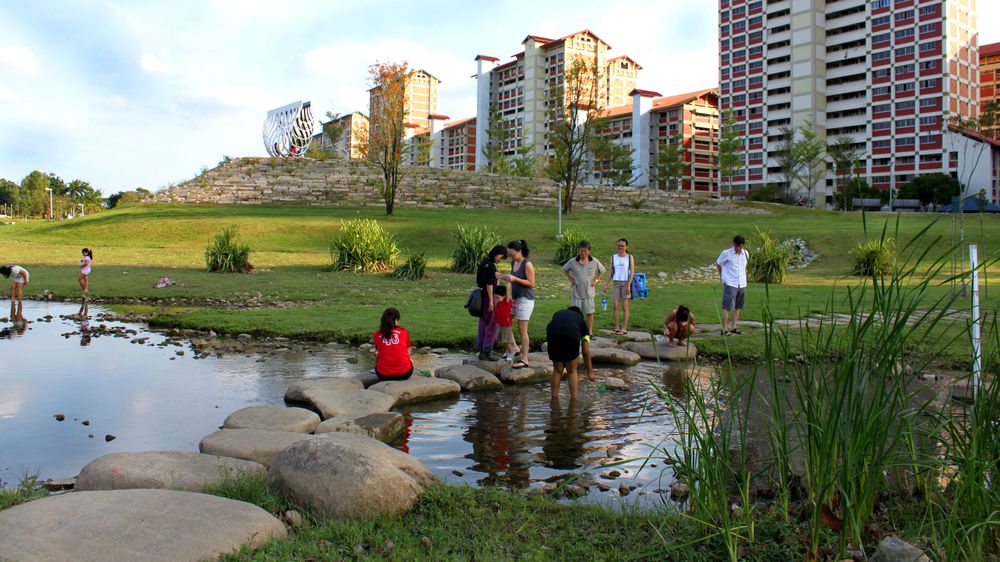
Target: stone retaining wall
[[354, 184]]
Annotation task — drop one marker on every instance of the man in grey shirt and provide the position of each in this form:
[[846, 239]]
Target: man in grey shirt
[[583, 273]]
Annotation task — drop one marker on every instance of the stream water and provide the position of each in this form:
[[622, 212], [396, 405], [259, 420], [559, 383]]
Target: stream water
[[149, 392]]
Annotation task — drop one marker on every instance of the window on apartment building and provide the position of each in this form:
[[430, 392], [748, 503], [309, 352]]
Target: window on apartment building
[[739, 11], [882, 143], [756, 20], [740, 54], [927, 158], [906, 141], [725, 73], [881, 37], [929, 64], [927, 10], [724, 44], [755, 5], [882, 125], [881, 55], [881, 20], [739, 68], [907, 87], [929, 46], [929, 28], [930, 139], [724, 57], [905, 69], [905, 123], [932, 83], [881, 73], [739, 26], [756, 96], [905, 105], [739, 98], [880, 4], [754, 80], [756, 51], [882, 108], [755, 35], [930, 120], [927, 102], [904, 15], [905, 51], [904, 33], [880, 91], [724, 29]]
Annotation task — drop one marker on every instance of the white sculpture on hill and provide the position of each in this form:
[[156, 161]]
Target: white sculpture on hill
[[288, 129]]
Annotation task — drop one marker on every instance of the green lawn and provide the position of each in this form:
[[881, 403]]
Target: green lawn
[[136, 245]]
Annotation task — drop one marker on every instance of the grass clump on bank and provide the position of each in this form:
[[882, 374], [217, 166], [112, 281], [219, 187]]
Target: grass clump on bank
[[472, 244], [26, 491], [568, 247], [413, 269], [363, 246], [227, 254], [770, 258]]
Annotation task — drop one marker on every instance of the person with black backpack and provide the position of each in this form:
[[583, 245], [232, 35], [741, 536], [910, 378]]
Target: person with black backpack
[[486, 280]]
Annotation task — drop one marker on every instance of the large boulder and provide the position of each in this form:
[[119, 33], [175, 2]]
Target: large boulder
[[175, 470], [492, 367], [255, 445], [537, 372], [385, 427], [348, 476], [350, 403], [273, 418], [417, 389], [148, 525], [663, 351], [298, 391], [469, 377], [613, 356], [892, 549]]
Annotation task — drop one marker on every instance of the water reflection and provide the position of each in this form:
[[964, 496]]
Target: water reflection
[[18, 324]]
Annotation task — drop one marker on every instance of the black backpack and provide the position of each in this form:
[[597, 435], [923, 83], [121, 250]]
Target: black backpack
[[475, 303]]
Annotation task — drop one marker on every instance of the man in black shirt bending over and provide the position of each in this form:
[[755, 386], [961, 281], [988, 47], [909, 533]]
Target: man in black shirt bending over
[[566, 333]]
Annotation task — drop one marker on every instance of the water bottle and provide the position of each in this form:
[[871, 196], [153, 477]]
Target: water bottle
[[604, 302]]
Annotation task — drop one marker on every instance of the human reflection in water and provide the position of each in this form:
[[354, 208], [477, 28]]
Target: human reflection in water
[[84, 315], [565, 436], [497, 431], [18, 324]]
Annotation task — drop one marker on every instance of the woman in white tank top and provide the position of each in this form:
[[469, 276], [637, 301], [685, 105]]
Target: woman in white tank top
[[621, 273]]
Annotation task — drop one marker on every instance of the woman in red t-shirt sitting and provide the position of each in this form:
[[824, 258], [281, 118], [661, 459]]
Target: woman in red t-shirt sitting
[[392, 349]]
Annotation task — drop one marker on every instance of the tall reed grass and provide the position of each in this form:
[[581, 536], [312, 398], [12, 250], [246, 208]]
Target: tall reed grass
[[472, 245], [770, 257], [363, 246], [227, 254], [568, 246]]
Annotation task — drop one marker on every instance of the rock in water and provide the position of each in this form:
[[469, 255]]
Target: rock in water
[[273, 418], [892, 549], [537, 372], [663, 351], [417, 389], [613, 356], [297, 391], [469, 377], [255, 445], [354, 403], [347, 476], [175, 470], [385, 426], [148, 525]]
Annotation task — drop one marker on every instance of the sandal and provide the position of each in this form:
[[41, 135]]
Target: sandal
[[520, 365], [736, 331]]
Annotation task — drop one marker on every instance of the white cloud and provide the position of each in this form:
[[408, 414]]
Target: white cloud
[[243, 8], [117, 102], [6, 95], [235, 96], [19, 58], [149, 63]]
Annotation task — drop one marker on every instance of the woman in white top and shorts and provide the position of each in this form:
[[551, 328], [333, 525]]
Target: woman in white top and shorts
[[522, 284], [620, 280], [18, 281]]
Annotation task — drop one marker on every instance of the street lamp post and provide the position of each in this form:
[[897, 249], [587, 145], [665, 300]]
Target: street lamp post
[[49, 189]]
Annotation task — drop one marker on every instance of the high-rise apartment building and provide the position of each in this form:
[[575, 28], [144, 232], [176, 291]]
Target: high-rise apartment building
[[885, 73], [522, 89], [421, 97], [354, 127], [989, 78]]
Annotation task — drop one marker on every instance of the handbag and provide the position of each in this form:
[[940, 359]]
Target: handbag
[[475, 303]]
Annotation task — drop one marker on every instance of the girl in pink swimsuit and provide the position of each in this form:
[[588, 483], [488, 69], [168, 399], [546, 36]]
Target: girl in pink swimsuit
[[85, 262]]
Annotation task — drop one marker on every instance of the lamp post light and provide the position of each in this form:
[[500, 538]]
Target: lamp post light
[[49, 189]]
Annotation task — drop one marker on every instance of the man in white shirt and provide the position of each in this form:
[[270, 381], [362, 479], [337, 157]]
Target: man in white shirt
[[732, 266]]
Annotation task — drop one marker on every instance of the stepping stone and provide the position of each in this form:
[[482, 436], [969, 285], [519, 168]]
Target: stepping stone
[[348, 476], [469, 377], [610, 383], [417, 389], [273, 418], [175, 470], [255, 445], [536, 372], [613, 356], [631, 335], [367, 378], [298, 390], [663, 351], [354, 403], [148, 525], [385, 427], [492, 367], [598, 341]]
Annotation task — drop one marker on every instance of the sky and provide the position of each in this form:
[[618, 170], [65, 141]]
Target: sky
[[145, 94]]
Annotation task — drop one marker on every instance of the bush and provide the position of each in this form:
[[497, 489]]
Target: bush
[[474, 244], [415, 267], [568, 246], [363, 246], [769, 263], [876, 257], [226, 254], [769, 193]]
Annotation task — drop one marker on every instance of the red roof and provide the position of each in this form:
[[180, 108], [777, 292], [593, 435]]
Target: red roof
[[976, 136], [989, 50], [505, 65], [459, 123], [438, 117], [618, 111], [673, 101], [581, 32], [645, 93], [537, 38], [486, 57]]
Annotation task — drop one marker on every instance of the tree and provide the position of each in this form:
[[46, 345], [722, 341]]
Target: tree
[[57, 185], [613, 160], [10, 192], [936, 189], [383, 147], [810, 154], [844, 156], [669, 168], [972, 132], [525, 163], [860, 189], [423, 149], [123, 198], [34, 198], [787, 160], [497, 136], [730, 151], [574, 119], [331, 129]]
